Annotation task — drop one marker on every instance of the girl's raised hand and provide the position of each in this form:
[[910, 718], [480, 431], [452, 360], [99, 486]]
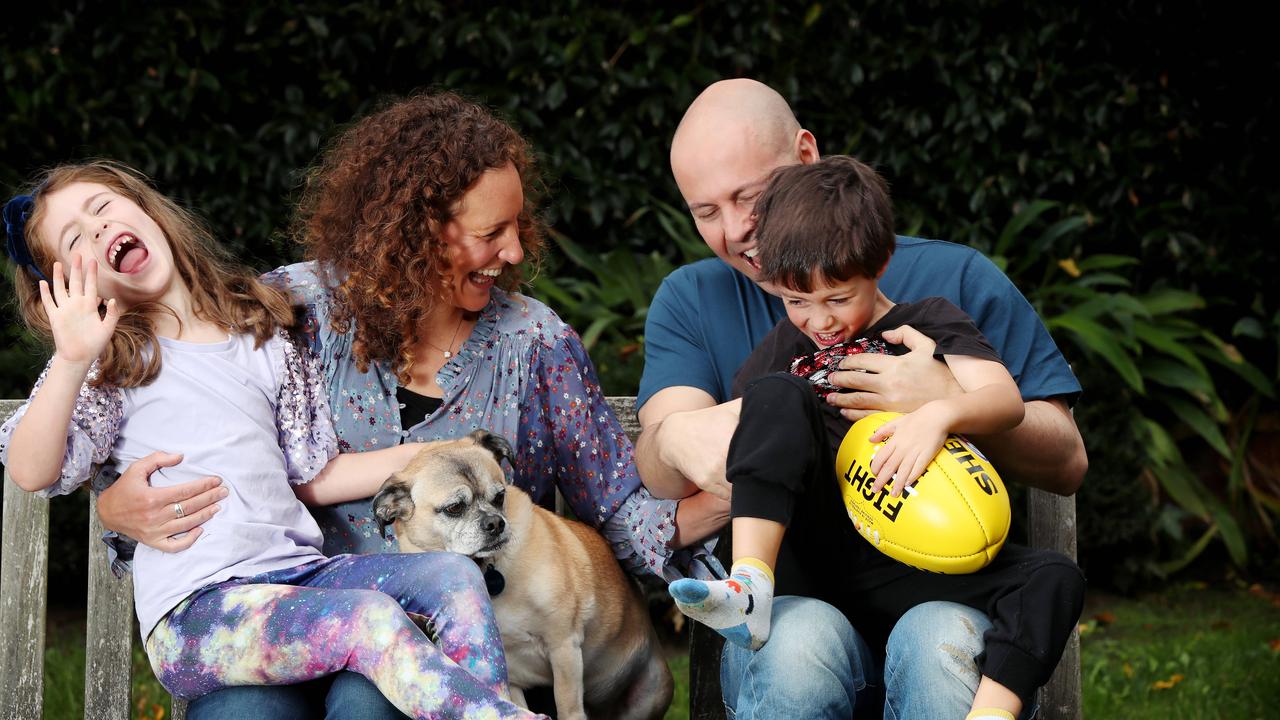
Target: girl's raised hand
[[914, 439], [80, 333]]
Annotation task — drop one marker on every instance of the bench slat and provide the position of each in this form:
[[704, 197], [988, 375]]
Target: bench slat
[[108, 634], [23, 580]]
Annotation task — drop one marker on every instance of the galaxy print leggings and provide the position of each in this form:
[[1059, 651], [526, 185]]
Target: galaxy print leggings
[[345, 613]]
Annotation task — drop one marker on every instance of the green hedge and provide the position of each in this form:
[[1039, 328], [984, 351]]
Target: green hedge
[[1141, 121]]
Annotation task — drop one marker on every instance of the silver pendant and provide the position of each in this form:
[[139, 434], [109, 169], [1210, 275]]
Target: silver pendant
[[447, 354]]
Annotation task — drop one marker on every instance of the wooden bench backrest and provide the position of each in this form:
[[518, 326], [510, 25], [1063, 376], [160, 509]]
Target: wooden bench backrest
[[109, 630]]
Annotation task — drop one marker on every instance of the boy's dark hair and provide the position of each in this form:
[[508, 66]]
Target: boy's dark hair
[[832, 218]]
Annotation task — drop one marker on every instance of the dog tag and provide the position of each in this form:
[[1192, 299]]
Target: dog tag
[[494, 581]]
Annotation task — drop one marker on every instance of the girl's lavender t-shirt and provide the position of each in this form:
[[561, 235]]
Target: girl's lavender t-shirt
[[237, 412]]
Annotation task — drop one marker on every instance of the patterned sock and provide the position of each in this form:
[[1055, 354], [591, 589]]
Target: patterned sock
[[989, 714], [737, 608]]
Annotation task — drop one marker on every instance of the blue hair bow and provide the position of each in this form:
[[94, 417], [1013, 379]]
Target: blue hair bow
[[16, 213]]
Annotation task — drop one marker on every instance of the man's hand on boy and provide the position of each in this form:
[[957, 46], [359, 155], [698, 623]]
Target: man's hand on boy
[[901, 383]]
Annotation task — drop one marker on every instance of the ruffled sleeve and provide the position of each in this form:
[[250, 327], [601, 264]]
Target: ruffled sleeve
[[302, 415], [309, 296], [641, 533], [95, 423], [568, 432]]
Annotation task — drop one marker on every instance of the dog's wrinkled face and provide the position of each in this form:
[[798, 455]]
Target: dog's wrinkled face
[[450, 497]]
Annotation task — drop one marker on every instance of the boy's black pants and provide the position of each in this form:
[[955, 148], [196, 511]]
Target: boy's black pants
[[782, 466]]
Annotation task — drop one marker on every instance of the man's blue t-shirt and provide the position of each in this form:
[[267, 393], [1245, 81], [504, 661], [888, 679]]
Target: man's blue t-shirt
[[707, 317]]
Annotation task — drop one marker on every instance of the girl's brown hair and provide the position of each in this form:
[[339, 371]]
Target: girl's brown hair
[[374, 208], [222, 291]]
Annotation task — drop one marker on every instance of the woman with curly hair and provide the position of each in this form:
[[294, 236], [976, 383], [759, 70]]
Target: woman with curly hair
[[416, 221]]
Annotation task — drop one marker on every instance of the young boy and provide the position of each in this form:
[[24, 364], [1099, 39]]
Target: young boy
[[824, 235]]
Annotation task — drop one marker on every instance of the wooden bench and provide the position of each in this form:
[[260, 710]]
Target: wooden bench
[[109, 639]]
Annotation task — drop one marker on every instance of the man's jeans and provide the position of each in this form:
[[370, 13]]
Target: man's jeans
[[344, 696], [816, 666]]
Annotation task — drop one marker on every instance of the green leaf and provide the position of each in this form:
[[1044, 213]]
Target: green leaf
[[812, 15], [1165, 569], [1168, 342], [678, 227], [551, 290], [1165, 302], [597, 326], [1105, 262], [1049, 238], [1097, 279], [1115, 306], [572, 48], [555, 95], [1230, 531], [318, 26], [1238, 365], [1170, 469], [1235, 480], [576, 254], [1095, 337], [1018, 223], [1176, 375], [1200, 422], [1249, 327]]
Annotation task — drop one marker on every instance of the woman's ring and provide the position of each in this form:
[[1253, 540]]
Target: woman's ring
[[177, 510]]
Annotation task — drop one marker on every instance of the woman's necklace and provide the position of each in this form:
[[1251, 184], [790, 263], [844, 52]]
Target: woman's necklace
[[448, 351]]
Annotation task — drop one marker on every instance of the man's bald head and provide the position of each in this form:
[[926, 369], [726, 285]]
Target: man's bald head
[[732, 137], [739, 106]]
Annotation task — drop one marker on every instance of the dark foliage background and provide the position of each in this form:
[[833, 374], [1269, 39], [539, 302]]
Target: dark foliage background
[[1150, 126]]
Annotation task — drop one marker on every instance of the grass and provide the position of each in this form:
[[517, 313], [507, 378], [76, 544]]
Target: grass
[[64, 674], [1191, 651], [679, 709]]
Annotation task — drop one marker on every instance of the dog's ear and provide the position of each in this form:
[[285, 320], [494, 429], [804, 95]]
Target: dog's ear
[[393, 502], [495, 444]]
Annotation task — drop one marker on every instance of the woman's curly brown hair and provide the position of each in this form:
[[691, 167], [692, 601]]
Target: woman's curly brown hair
[[374, 208]]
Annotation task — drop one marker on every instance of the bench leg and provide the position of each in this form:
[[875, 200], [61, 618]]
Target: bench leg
[[705, 699], [1052, 520]]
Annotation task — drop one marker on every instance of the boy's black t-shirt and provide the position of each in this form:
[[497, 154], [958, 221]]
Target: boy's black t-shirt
[[952, 331]]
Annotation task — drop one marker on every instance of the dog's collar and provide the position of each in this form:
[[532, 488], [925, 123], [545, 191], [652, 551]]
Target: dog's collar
[[494, 581]]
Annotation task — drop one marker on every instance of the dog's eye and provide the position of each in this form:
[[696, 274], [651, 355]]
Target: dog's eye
[[499, 498], [455, 509]]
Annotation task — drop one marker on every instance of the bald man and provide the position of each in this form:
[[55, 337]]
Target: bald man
[[705, 320]]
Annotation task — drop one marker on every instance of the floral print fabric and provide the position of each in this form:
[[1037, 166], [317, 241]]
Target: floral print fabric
[[522, 373]]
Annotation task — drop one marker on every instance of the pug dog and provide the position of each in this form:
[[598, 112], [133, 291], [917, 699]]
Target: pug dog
[[568, 615]]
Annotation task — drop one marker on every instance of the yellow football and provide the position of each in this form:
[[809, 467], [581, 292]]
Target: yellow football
[[953, 519]]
